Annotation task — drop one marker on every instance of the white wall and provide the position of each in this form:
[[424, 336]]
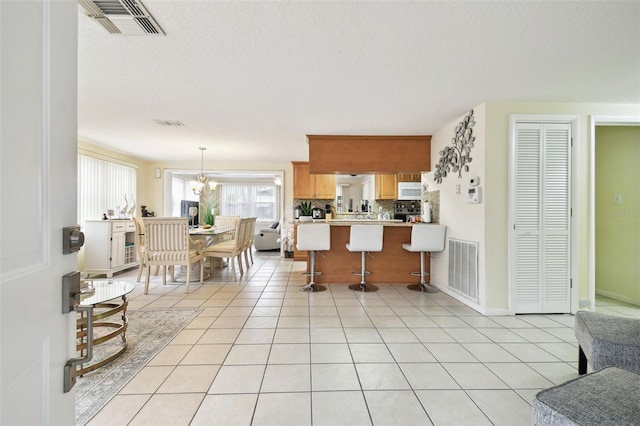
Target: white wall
[[497, 115], [487, 222], [464, 221]]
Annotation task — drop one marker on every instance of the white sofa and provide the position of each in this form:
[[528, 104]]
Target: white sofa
[[268, 238]]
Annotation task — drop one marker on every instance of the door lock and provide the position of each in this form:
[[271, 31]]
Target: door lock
[[70, 302], [72, 239]]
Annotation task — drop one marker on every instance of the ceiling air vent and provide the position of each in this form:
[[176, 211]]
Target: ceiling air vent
[[121, 16], [174, 123]]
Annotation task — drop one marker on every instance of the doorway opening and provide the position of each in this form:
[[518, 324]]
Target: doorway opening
[[257, 194], [614, 246]]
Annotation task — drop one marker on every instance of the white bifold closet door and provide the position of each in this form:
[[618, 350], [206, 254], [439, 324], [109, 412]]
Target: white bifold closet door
[[541, 203]]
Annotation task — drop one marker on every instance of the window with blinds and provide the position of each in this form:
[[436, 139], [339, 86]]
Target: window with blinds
[[103, 185], [248, 200]]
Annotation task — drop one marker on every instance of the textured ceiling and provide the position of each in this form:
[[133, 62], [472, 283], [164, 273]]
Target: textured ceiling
[[250, 79]]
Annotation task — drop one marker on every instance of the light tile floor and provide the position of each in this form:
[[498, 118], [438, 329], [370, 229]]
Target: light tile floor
[[263, 353]]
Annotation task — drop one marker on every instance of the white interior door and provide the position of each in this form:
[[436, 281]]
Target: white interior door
[[38, 198], [540, 258]]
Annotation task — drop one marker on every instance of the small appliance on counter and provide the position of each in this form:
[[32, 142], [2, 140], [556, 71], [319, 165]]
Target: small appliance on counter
[[404, 209], [328, 211], [297, 212], [409, 190], [317, 213]]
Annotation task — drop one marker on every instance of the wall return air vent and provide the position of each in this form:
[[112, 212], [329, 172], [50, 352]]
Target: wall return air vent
[[121, 16]]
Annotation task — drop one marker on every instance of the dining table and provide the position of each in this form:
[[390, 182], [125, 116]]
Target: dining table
[[213, 234]]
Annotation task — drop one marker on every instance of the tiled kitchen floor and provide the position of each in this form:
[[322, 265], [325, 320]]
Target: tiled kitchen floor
[[263, 353]]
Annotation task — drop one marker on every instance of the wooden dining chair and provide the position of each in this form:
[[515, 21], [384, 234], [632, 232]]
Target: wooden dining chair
[[231, 249], [141, 248], [227, 222], [247, 245], [168, 243]]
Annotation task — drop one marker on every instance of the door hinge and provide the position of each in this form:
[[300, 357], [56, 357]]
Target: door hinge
[[571, 141], [571, 212], [571, 283]]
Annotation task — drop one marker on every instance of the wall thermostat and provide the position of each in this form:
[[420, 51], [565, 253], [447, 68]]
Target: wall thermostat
[[474, 195]]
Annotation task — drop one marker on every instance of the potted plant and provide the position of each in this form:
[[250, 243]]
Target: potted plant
[[208, 206], [288, 241], [306, 208]]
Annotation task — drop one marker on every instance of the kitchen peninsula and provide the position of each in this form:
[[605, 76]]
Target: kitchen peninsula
[[389, 159], [393, 265]]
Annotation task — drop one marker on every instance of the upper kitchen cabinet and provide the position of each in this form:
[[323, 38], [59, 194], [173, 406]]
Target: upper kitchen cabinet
[[369, 154], [387, 187], [324, 186], [306, 185], [409, 177]]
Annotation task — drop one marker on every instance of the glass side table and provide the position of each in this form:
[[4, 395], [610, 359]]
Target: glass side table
[[103, 296]]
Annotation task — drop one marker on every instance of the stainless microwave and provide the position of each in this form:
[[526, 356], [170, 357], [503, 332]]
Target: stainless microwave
[[409, 191]]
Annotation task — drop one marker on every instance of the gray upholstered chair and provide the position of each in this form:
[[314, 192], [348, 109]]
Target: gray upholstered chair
[[607, 340], [607, 397]]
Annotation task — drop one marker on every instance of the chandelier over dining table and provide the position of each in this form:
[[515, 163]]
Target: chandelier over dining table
[[202, 185]]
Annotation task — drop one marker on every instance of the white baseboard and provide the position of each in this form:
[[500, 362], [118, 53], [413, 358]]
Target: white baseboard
[[619, 297], [469, 303]]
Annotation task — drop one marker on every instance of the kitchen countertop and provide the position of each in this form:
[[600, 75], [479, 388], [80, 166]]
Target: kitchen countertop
[[392, 264], [349, 222]]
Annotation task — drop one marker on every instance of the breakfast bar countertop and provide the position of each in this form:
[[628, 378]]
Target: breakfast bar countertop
[[391, 265], [349, 222]]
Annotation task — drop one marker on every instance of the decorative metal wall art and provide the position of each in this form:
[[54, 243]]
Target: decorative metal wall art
[[457, 157]]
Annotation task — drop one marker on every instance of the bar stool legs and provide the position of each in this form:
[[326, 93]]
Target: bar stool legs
[[425, 238], [312, 286], [364, 239], [363, 286], [313, 237], [423, 286]]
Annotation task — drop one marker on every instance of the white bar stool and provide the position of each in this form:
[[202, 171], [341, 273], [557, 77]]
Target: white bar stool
[[364, 238], [313, 237], [425, 239]]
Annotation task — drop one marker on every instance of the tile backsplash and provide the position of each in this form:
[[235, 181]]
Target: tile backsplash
[[433, 197]]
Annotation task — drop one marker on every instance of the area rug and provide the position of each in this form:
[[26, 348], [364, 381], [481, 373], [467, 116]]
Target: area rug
[[148, 332]]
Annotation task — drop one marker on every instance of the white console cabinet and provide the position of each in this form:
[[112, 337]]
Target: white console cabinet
[[109, 246]]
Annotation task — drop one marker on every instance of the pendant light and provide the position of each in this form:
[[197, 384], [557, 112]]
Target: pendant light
[[200, 185]]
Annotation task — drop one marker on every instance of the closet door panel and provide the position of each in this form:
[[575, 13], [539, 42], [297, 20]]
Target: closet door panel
[[556, 218], [541, 230]]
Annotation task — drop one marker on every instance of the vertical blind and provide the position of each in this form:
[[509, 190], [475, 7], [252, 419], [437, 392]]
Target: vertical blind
[[103, 185], [249, 200]]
